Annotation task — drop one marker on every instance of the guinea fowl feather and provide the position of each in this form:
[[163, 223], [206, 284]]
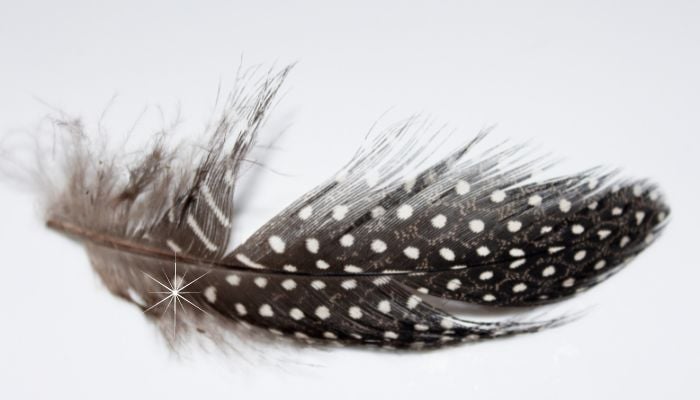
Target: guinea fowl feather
[[362, 258]]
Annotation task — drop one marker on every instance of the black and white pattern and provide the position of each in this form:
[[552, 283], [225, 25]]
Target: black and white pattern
[[361, 259]]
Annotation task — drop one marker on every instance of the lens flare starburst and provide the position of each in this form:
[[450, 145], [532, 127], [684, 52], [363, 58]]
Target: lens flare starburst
[[175, 293]]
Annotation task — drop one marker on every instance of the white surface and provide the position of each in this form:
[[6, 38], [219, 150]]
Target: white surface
[[611, 82]]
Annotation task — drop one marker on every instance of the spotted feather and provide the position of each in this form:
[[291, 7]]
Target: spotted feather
[[362, 258]]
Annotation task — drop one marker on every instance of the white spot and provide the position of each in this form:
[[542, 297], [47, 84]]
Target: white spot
[[260, 282], [289, 268], [421, 327], [577, 229], [476, 225], [439, 221], [637, 190], [320, 264], [317, 284], [355, 312], [413, 302], [378, 212], [378, 246], [549, 271], [240, 309], [483, 251], [330, 335], [347, 240], [322, 312], [514, 226], [592, 183], [266, 311], [289, 284], [517, 263], [603, 233], [409, 183], [599, 265], [390, 335], [312, 245], [296, 314], [520, 287], [556, 249], [498, 196], [382, 280], [489, 297], [173, 246], [580, 255], [454, 284], [447, 323], [411, 252], [384, 306], [564, 205], [617, 211], [349, 284], [306, 212], [248, 262], [462, 187], [649, 238], [447, 254], [486, 275], [569, 282], [422, 290], [535, 200], [624, 241], [233, 280], [277, 244], [301, 335], [545, 230], [639, 215], [404, 212], [516, 253], [339, 212], [352, 269]]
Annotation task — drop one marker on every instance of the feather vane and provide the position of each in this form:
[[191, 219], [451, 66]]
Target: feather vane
[[362, 258]]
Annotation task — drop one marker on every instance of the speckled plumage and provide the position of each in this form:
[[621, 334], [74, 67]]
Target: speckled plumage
[[361, 258]]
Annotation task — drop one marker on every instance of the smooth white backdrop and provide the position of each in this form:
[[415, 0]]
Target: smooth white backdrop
[[613, 82]]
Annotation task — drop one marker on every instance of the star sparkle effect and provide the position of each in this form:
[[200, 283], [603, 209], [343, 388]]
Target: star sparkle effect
[[175, 293]]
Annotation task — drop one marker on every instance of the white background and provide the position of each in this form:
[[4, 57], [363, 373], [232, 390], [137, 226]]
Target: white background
[[610, 82]]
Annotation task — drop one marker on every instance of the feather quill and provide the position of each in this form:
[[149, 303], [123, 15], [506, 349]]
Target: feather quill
[[362, 258]]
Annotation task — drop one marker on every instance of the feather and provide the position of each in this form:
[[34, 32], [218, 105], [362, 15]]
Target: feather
[[365, 258]]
